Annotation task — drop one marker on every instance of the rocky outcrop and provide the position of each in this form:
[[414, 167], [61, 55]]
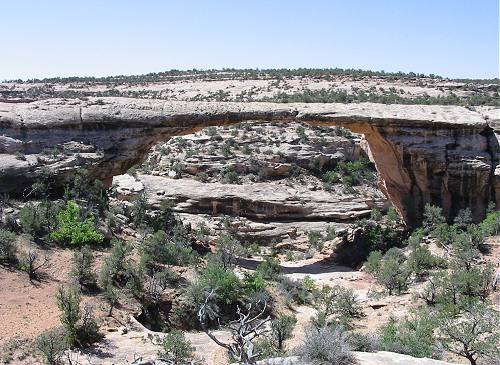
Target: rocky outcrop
[[445, 155], [257, 201]]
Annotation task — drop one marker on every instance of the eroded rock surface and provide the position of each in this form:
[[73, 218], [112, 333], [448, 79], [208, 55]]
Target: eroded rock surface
[[446, 155]]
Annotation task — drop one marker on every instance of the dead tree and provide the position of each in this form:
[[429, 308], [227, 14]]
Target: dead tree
[[31, 264], [244, 331]]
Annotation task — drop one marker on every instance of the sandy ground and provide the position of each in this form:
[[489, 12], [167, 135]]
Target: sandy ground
[[28, 309]]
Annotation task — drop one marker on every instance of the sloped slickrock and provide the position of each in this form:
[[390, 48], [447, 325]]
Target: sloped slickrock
[[366, 358]]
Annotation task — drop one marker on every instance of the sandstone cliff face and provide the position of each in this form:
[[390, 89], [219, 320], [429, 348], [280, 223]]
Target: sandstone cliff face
[[444, 155]]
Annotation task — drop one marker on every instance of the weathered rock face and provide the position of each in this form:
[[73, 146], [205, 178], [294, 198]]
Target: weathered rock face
[[269, 178], [258, 201], [439, 154]]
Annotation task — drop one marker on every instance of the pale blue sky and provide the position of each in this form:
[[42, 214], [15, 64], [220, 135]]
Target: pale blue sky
[[455, 38]]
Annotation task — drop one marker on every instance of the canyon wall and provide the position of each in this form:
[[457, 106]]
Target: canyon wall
[[445, 155]]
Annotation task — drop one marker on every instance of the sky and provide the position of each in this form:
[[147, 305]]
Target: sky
[[452, 38]]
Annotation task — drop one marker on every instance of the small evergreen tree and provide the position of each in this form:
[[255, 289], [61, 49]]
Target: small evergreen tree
[[82, 269], [68, 302], [432, 217], [473, 335], [7, 247], [281, 329]]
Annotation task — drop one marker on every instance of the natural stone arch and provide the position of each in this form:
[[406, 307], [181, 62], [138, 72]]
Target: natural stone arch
[[437, 154]]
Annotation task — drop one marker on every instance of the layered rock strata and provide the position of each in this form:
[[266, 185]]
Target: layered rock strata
[[445, 155]]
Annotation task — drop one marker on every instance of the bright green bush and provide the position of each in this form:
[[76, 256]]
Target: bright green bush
[[72, 230]]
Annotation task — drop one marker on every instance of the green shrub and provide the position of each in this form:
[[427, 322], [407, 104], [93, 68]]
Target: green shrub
[[373, 262], [471, 282], [266, 349], [226, 288], [332, 177], [254, 282], [72, 230], [88, 329], [52, 344], [432, 217], [375, 215], [445, 234], [364, 342], [138, 211], [203, 177], [111, 296], [81, 188], [38, 219], [369, 236], [315, 240], [82, 269], [281, 329], [356, 172], [421, 260], [413, 335], [463, 218], [116, 266], [326, 346], [396, 254], [81, 329], [392, 217], [473, 335], [227, 250], [230, 176], [491, 224], [295, 290], [175, 348], [161, 248], [7, 247], [336, 303], [68, 302], [393, 275], [269, 268]]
